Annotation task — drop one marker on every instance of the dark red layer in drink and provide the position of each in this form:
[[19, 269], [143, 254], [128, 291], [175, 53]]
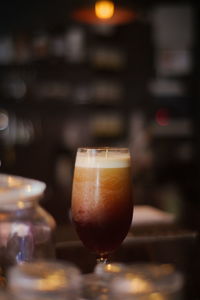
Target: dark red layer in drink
[[103, 238]]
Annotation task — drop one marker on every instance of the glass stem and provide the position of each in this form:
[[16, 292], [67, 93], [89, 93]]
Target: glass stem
[[102, 260]]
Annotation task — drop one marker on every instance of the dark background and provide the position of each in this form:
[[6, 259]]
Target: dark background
[[52, 107]]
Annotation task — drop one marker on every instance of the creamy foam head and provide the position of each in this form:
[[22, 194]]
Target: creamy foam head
[[103, 160]]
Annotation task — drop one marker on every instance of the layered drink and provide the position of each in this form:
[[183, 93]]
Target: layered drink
[[102, 203]]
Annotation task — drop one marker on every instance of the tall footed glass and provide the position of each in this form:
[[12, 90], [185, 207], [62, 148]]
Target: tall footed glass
[[102, 204]]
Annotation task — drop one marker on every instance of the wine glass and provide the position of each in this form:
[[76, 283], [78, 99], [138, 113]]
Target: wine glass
[[102, 204]]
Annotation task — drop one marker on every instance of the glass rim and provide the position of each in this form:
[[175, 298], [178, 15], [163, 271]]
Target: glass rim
[[84, 149], [19, 191]]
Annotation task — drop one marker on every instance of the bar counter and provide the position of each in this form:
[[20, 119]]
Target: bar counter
[[162, 244]]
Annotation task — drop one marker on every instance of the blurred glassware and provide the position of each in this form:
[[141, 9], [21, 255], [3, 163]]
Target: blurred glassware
[[165, 87], [4, 120], [147, 282], [173, 63], [6, 50], [22, 49], [14, 86], [107, 271], [40, 45], [55, 90], [144, 281], [107, 125], [42, 280], [94, 288], [173, 26], [177, 127], [15, 131], [107, 58], [26, 229], [97, 285], [57, 45], [75, 45], [4, 296], [74, 133], [173, 36], [82, 93], [25, 132], [107, 92]]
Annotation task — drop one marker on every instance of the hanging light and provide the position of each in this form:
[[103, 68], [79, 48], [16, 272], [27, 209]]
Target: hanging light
[[104, 12], [104, 9]]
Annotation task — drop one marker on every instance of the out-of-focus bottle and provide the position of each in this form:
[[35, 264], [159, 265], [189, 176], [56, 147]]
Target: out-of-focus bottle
[[44, 280], [26, 229]]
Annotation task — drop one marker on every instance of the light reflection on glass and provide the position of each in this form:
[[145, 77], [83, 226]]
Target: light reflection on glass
[[156, 296], [11, 181], [20, 204], [4, 120], [137, 285]]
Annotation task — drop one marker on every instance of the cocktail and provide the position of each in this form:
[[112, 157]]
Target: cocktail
[[102, 204]]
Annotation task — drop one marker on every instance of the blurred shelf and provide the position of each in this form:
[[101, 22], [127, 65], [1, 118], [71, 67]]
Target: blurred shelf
[[32, 105], [58, 63]]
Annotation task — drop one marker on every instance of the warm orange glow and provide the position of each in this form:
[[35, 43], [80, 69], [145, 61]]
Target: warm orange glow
[[104, 9]]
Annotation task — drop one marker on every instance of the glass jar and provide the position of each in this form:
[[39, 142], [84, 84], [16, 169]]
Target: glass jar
[[44, 280], [26, 229]]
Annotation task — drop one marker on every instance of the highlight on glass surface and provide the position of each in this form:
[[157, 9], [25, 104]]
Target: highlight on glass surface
[[26, 229], [147, 281], [102, 204]]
